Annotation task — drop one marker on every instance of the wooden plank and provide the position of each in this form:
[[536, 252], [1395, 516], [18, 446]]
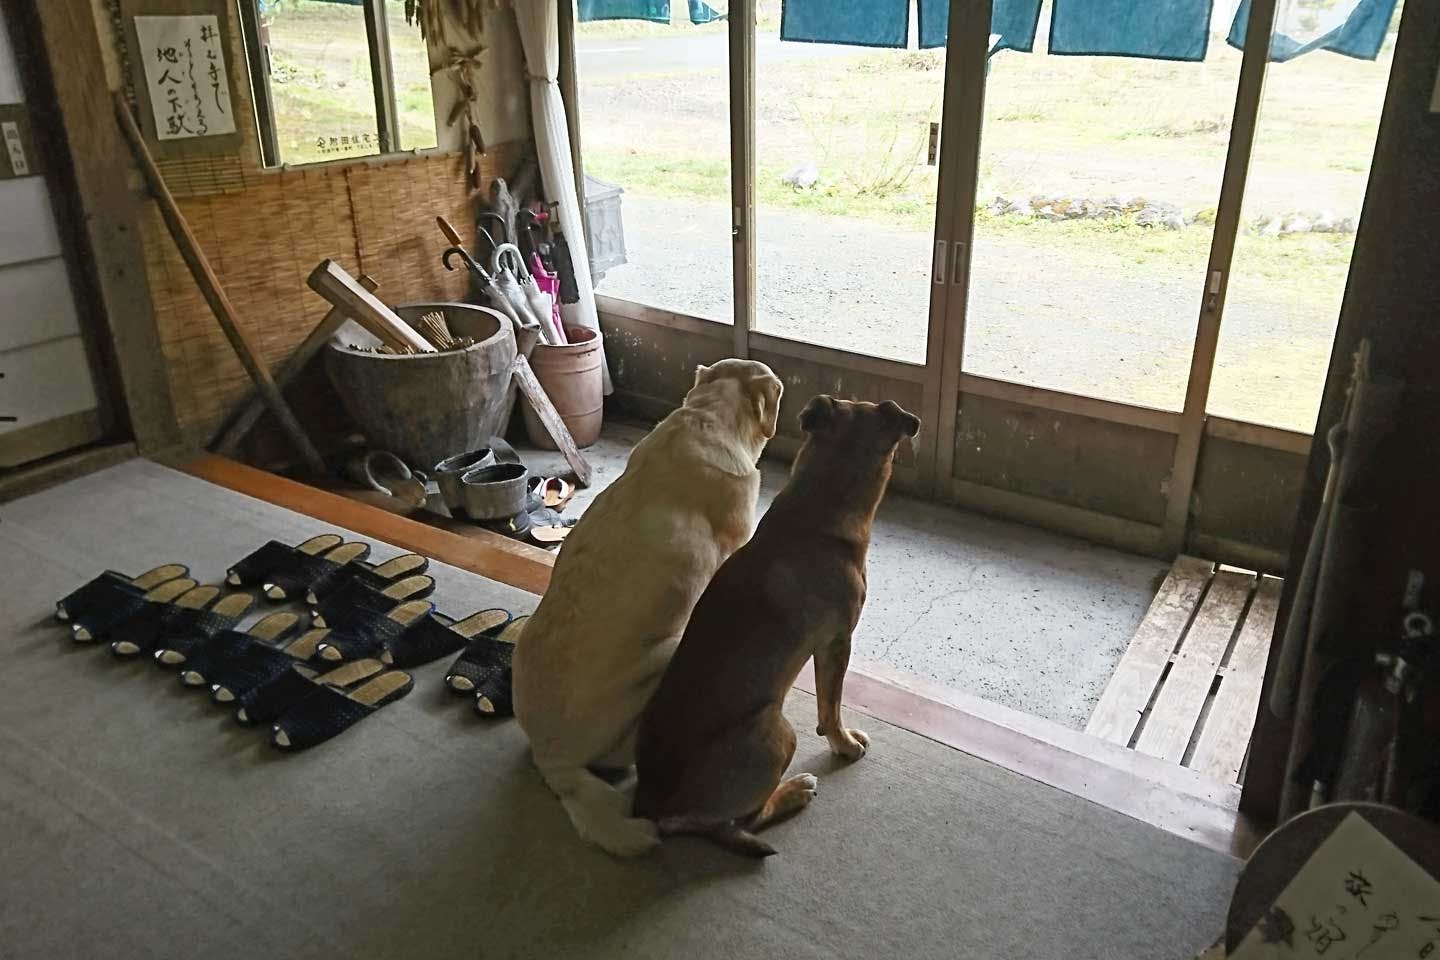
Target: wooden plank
[[550, 417], [1259, 435], [1226, 735], [489, 555], [1162, 421], [228, 442], [1172, 720], [1118, 712], [347, 295], [1118, 532]]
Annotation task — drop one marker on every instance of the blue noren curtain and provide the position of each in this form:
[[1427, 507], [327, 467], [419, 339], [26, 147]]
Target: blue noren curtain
[[1012, 21], [861, 23], [1152, 29], [1353, 28]]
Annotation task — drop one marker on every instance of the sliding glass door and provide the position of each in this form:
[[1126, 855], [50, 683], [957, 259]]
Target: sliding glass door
[[1098, 183], [846, 171]]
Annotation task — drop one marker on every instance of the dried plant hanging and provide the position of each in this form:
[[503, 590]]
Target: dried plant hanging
[[433, 15], [439, 20]]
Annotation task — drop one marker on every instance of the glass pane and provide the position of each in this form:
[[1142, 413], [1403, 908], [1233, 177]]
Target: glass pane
[[1098, 183], [1307, 183], [320, 81], [655, 122], [411, 68], [845, 192]]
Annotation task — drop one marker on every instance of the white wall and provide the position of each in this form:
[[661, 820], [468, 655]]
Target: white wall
[[46, 372]]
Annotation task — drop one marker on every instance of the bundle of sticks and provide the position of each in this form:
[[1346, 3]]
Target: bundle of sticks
[[434, 329]]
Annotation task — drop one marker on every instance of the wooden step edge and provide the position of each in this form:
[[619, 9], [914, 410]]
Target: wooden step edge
[[1167, 796], [476, 550]]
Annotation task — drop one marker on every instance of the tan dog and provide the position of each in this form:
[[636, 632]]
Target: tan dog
[[713, 741], [623, 588]]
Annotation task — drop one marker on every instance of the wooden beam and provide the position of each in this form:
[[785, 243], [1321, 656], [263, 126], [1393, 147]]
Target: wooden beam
[[1249, 93], [111, 215], [967, 54], [1130, 687], [742, 170], [487, 554], [210, 287], [570, 94]]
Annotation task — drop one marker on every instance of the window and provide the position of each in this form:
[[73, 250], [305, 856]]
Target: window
[[334, 79]]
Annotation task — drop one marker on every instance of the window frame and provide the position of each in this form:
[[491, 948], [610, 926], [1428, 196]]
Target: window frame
[[382, 77]]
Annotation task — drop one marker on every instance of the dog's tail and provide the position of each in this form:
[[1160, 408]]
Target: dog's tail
[[728, 834], [600, 813]]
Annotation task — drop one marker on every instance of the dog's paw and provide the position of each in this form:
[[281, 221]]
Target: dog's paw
[[630, 837], [849, 744], [806, 786]]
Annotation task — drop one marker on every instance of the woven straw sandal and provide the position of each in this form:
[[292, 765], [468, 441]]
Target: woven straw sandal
[[378, 576], [374, 635], [359, 600], [196, 616], [269, 701], [97, 623], [111, 587], [258, 566], [329, 711]]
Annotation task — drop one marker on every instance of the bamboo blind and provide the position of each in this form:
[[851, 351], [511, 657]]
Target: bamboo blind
[[376, 218]]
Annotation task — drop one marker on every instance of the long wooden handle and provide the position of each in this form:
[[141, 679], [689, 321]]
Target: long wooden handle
[[210, 288], [228, 442], [450, 232], [554, 425], [330, 280]]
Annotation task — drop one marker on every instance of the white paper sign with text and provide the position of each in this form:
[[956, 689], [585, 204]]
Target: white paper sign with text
[[184, 60]]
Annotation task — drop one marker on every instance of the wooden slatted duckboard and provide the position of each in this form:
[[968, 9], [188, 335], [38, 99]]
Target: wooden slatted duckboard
[[1188, 686]]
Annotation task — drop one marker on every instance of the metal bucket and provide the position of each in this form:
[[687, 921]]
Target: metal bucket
[[429, 406]]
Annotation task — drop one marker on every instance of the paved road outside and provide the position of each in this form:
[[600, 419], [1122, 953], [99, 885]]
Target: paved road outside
[[1038, 315]]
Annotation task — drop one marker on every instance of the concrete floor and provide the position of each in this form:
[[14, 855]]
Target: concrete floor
[[1032, 620]]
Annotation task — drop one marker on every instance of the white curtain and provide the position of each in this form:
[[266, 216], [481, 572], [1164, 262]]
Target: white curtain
[[538, 21]]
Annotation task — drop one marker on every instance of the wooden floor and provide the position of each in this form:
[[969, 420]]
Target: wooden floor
[[1188, 686]]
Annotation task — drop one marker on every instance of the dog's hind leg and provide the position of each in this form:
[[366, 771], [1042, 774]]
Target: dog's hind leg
[[600, 812], [831, 661]]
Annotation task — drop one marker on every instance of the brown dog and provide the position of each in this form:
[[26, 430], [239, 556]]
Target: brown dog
[[713, 742]]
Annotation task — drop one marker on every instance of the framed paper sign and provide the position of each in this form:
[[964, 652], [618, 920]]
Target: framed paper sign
[[185, 77]]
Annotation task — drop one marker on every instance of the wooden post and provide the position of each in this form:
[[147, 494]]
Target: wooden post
[[967, 53], [742, 169], [1249, 92], [213, 292]]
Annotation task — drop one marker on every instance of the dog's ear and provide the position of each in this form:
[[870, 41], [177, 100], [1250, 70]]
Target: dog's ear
[[908, 423], [817, 414], [766, 389], [702, 374]]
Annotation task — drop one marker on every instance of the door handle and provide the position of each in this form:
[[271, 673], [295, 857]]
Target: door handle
[[937, 266], [957, 266]]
